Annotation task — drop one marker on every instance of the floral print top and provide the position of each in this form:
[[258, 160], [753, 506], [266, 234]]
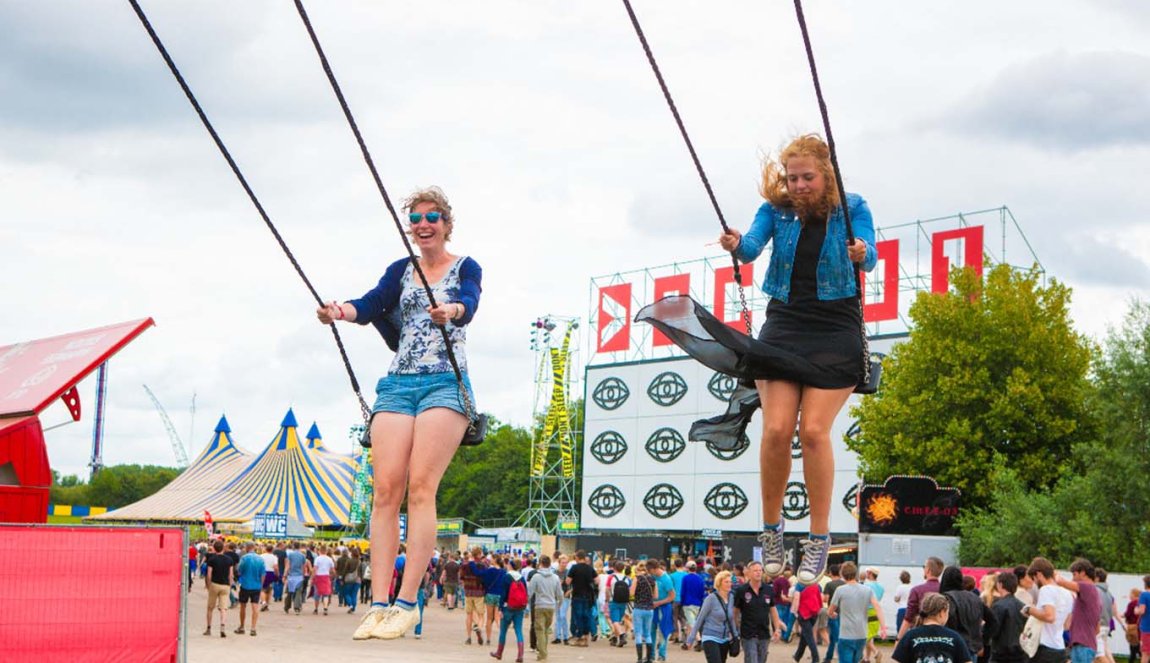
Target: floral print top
[[421, 346]]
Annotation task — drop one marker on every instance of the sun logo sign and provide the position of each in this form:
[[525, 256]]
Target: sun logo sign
[[882, 508]]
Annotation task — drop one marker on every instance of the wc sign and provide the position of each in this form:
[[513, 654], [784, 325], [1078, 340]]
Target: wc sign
[[905, 266], [270, 525]]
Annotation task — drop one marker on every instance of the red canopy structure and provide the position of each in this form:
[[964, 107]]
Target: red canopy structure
[[33, 375]]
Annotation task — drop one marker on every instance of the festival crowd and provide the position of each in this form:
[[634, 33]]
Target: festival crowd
[[1029, 614]]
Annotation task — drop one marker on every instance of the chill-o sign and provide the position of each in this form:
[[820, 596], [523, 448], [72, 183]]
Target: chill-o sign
[[961, 247], [270, 525]]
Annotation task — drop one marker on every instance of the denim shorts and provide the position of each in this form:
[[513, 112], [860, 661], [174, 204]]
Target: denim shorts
[[413, 393]]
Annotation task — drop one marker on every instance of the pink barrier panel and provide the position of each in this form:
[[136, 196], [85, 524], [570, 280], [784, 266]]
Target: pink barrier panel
[[74, 594]]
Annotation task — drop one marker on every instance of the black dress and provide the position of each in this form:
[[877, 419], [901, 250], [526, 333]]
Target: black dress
[[806, 340]]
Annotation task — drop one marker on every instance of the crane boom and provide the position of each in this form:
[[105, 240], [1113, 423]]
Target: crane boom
[[177, 444]]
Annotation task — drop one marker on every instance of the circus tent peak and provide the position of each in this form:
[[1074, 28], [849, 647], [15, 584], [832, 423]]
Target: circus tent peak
[[314, 439]]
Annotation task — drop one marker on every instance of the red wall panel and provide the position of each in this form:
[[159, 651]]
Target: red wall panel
[[75, 594]]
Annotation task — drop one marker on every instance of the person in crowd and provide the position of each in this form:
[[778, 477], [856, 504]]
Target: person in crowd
[[832, 623], [967, 613], [716, 624], [678, 634], [931, 570], [419, 416], [1086, 612], [251, 575], [297, 570], [193, 563], [813, 316], [1003, 639], [581, 579], [352, 578], [643, 613], [221, 574], [871, 653], [513, 597], [563, 617], [450, 580], [694, 591], [546, 593], [1052, 608], [423, 595], [473, 594], [850, 605], [807, 602], [365, 578], [1138, 615], [1106, 619], [781, 587], [271, 568], [929, 640], [1027, 591], [230, 551], [322, 576], [901, 593], [619, 599], [491, 577], [664, 597], [756, 613], [602, 617], [280, 552]]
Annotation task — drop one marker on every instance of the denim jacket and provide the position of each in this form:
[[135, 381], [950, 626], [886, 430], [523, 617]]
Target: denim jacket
[[835, 272]]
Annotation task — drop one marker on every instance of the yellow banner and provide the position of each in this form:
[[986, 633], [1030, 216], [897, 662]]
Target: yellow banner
[[557, 422]]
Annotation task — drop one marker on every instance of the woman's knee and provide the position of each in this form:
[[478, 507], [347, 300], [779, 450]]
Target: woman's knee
[[387, 496], [814, 437]]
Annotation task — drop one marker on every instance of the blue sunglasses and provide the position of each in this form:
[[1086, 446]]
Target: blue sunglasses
[[432, 217]]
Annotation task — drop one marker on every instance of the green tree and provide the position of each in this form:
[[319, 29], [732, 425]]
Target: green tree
[[119, 485], [1098, 509], [489, 481], [992, 375]]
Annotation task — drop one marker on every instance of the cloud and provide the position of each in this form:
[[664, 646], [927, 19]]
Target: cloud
[[1095, 262], [1062, 101]]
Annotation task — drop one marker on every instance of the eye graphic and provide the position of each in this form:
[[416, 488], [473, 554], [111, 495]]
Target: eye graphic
[[606, 501], [667, 389], [730, 454], [796, 443], [665, 445], [721, 386], [851, 499], [608, 447], [610, 394], [725, 500], [663, 500], [796, 504]]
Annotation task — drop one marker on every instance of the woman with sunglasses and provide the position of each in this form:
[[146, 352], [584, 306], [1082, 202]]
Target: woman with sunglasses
[[419, 416]]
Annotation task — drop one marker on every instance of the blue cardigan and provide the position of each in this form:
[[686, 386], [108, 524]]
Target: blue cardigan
[[380, 305]]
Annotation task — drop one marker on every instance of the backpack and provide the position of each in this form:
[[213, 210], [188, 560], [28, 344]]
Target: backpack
[[620, 592], [517, 595]]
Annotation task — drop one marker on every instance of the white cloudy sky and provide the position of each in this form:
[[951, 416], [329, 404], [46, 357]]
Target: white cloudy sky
[[544, 124]]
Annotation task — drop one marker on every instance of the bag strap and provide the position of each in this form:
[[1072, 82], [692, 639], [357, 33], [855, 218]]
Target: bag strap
[[726, 616]]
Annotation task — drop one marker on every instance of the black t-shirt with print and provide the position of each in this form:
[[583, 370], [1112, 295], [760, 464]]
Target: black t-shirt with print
[[218, 565], [931, 644], [755, 609]]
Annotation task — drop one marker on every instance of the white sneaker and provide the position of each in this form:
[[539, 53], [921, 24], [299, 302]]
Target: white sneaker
[[814, 564], [396, 624], [774, 556], [371, 619]]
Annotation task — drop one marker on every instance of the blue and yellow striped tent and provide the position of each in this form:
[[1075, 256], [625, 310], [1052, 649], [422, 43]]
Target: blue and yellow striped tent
[[184, 499], [290, 476]]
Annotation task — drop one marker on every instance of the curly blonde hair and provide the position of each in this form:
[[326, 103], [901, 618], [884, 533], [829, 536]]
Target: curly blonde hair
[[434, 195], [774, 185]]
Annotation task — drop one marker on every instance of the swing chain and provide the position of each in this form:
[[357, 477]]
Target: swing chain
[[746, 315]]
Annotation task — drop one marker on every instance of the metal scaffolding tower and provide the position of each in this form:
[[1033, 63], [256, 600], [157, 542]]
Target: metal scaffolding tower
[[553, 506]]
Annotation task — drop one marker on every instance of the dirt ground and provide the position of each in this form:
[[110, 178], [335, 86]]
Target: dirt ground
[[310, 637]]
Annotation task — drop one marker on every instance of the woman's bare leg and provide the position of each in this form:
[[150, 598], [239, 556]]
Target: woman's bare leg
[[820, 407], [780, 400]]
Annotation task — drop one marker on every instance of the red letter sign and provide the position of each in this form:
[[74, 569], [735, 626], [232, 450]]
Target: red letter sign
[[940, 265], [887, 309], [725, 276], [676, 284], [614, 318]]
